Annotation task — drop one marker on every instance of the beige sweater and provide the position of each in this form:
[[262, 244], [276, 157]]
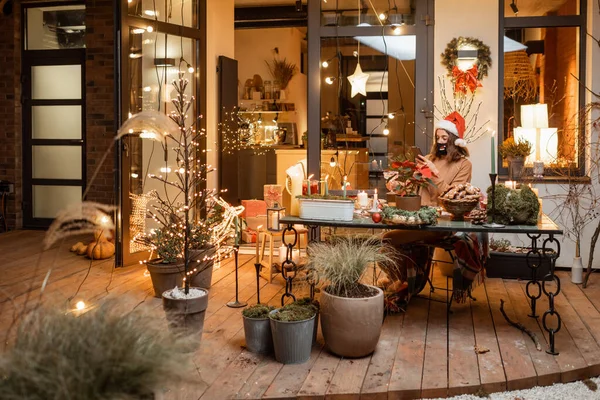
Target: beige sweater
[[450, 174]]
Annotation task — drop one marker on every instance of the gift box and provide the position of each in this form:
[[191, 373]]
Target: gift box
[[273, 194], [249, 236], [254, 223], [252, 208]]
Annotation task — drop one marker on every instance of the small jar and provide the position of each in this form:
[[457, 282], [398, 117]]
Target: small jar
[[276, 90], [268, 90]]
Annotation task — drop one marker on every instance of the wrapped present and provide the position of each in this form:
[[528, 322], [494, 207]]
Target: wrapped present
[[252, 208], [254, 223], [273, 194], [249, 236]]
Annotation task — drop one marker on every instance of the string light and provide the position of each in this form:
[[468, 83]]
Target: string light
[[396, 29], [149, 28], [325, 64], [332, 163], [80, 305], [391, 115], [386, 130], [329, 80], [382, 16]]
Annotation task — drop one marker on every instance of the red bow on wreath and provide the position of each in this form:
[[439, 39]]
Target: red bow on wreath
[[465, 79]]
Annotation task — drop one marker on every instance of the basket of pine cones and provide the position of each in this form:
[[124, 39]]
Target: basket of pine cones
[[477, 216]]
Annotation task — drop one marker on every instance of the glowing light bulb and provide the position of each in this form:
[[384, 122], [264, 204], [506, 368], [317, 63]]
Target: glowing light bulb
[[382, 16], [138, 31], [134, 175], [396, 30], [329, 80], [151, 13], [332, 163], [386, 130], [165, 169], [191, 69], [391, 115], [80, 305], [149, 28], [325, 64], [147, 89]]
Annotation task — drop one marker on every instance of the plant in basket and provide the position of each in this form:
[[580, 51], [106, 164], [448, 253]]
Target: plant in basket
[[404, 178]]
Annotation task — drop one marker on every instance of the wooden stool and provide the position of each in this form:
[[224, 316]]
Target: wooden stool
[[261, 242]]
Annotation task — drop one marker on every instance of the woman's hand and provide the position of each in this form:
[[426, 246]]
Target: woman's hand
[[422, 161]]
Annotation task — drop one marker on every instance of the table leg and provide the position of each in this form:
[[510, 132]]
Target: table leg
[[551, 277], [534, 260], [288, 277]]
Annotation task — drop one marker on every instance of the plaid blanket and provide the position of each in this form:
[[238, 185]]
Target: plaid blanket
[[414, 266]]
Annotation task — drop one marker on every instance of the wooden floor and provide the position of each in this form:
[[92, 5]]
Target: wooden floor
[[423, 353]]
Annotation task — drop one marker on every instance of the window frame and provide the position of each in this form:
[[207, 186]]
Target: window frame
[[553, 21]]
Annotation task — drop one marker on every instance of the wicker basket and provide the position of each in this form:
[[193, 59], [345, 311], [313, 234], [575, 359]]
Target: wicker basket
[[458, 208]]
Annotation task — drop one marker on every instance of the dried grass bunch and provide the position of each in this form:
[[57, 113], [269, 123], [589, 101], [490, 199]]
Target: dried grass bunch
[[342, 263], [102, 354], [282, 71]]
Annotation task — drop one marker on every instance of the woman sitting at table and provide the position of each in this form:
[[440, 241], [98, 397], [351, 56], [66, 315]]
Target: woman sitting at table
[[449, 166]]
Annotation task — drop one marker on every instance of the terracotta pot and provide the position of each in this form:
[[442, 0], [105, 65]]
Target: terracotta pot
[[351, 326], [186, 316], [167, 276], [408, 203]]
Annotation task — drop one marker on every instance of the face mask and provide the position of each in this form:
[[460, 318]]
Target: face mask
[[441, 150]]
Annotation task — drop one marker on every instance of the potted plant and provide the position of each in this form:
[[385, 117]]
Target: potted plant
[[102, 353], [186, 215], [293, 327], [404, 179], [515, 152], [282, 72], [351, 312], [510, 262], [257, 328]]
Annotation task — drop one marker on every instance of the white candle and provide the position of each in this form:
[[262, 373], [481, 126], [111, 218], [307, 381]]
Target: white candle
[[509, 184], [275, 220], [326, 185], [344, 186], [375, 199], [363, 199], [282, 251]]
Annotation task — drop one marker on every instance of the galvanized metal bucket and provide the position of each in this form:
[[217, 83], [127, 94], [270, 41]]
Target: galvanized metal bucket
[[258, 335], [292, 341]]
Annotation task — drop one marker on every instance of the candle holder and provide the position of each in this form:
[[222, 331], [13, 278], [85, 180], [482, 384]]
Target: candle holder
[[237, 303], [493, 224]]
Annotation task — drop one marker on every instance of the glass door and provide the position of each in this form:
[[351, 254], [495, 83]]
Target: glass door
[[53, 77]]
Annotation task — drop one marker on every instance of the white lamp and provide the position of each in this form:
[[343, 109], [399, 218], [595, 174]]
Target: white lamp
[[534, 129]]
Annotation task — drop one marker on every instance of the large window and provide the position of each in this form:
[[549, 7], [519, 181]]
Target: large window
[[158, 40], [544, 80]]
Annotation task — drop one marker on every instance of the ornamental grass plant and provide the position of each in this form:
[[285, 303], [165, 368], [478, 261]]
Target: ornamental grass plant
[[102, 354], [342, 263]]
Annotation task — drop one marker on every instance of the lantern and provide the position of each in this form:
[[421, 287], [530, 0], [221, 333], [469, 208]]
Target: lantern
[[274, 214]]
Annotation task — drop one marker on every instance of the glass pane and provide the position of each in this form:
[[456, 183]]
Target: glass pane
[[178, 12], [154, 63], [50, 28], [545, 73], [385, 113], [49, 200], [56, 122], [53, 82], [56, 162], [373, 12], [536, 8]]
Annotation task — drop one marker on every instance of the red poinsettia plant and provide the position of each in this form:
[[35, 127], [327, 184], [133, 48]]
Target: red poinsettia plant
[[405, 177]]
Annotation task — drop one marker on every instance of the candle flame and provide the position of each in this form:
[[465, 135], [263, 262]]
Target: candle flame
[[493, 133], [310, 177], [375, 190]]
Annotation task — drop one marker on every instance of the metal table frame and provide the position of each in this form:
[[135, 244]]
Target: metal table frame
[[534, 288]]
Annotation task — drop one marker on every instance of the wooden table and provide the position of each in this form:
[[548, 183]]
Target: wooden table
[[535, 287]]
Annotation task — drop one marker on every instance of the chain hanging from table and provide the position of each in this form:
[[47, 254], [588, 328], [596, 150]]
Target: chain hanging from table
[[288, 263], [534, 264], [551, 277]]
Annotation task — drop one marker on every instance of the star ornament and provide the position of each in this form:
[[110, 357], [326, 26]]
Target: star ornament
[[358, 80]]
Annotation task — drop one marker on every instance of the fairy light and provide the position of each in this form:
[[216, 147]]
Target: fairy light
[[149, 28], [325, 64], [80, 305], [386, 130], [329, 80]]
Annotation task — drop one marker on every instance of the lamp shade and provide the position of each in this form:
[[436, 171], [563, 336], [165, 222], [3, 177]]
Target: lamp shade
[[534, 116], [545, 143]]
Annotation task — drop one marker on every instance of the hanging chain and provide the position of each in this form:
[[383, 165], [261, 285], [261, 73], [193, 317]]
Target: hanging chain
[[551, 277], [534, 260]]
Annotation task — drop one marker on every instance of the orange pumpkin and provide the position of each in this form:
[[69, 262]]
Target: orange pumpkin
[[100, 249]]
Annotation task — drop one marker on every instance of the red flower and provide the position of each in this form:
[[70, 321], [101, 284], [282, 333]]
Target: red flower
[[395, 165]]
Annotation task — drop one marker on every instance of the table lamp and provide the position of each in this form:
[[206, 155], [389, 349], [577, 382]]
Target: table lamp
[[534, 128]]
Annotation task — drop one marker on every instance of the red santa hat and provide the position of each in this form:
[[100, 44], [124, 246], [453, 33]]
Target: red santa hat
[[455, 124]]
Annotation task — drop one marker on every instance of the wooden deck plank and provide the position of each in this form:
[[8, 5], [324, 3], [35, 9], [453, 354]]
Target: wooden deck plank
[[571, 362], [435, 366], [491, 369], [317, 382], [518, 366], [348, 379], [546, 367], [582, 320], [377, 379], [405, 380], [463, 368]]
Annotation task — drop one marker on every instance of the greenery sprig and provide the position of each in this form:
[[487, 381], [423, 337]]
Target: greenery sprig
[[426, 214]]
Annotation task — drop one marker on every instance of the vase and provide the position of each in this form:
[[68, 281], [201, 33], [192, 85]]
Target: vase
[[515, 168], [408, 203], [577, 270]]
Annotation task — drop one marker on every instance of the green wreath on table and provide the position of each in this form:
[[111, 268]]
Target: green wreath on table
[[484, 59], [395, 216]]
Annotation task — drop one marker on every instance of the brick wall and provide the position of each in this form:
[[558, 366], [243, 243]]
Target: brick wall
[[99, 104]]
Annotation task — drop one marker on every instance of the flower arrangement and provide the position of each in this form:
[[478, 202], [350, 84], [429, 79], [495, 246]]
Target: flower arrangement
[[406, 177], [511, 148], [282, 71]]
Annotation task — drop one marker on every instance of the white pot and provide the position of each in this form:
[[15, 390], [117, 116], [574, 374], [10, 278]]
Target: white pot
[[577, 270]]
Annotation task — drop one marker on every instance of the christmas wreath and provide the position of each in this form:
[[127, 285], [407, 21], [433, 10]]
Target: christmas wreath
[[484, 59]]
